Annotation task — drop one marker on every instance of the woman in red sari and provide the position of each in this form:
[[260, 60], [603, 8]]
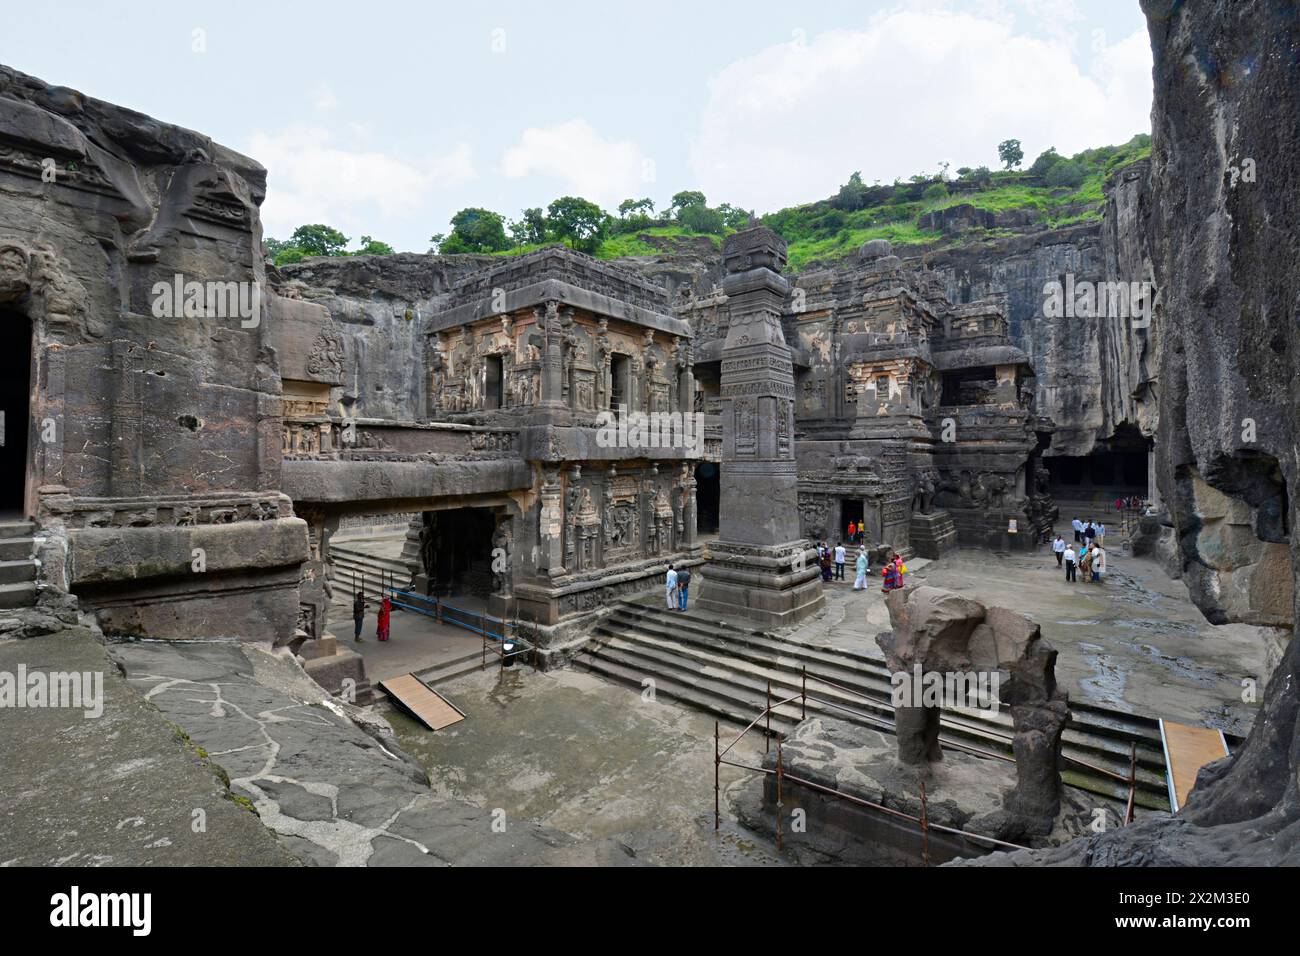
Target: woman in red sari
[[385, 611]]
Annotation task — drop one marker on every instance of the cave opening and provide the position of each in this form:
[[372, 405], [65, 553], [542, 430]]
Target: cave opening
[[1116, 468], [15, 404]]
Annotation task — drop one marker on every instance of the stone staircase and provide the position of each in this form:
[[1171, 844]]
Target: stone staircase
[[724, 670], [359, 559], [18, 564]]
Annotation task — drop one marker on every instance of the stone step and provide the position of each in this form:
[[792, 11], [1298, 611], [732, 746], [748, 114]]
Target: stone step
[[720, 704], [14, 572], [673, 644], [17, 529], [1109, 734], [22, 594], [1098, 720], [450, 670], [982, 730], [17, 548]]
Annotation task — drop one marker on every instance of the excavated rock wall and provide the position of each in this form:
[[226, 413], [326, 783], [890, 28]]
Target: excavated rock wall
[[1225, 252]]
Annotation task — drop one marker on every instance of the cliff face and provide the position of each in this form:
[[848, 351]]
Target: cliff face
[[380, 305], [1091, 368], [1226, 254]]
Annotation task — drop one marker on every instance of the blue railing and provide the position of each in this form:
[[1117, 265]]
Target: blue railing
[[501, 631]]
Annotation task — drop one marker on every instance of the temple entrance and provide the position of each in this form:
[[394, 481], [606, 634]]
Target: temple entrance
[[15, 401], [850, 510], [708, 494], [456, 551]]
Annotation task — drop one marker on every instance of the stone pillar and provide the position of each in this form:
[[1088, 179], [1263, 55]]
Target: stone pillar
[[552, 355], [759, 567]]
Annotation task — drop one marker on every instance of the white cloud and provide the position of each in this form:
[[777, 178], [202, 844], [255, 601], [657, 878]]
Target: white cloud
[[311, 179], [791, 122], [603, 170]]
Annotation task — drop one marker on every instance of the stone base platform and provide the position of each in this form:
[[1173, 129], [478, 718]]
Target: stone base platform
[[933, 535], [962, 791]]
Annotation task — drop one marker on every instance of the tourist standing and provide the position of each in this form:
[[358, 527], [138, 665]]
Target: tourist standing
[[1078, 530], [1058, 547], [1101, 533], [839, 561], [826, 564], [358, 616], [683, 588], [853, 528], [1098, 564], [863, 567], [1069, 562], [670, 588], [1089, 532], [1085, 564], [385, 615]]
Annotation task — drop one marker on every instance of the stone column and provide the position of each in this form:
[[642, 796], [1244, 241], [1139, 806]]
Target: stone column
[[552, 355], [759, 568]]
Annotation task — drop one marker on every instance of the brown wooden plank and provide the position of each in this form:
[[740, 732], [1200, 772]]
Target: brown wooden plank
[[1187, 750], [421, 701]]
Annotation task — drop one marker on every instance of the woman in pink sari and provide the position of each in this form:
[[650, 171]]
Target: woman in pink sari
[[385, 611]]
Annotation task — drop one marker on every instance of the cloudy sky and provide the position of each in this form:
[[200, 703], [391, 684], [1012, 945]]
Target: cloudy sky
[[384, 118]]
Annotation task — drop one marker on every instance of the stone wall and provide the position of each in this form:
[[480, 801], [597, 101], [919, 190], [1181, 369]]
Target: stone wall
[[134, 249]]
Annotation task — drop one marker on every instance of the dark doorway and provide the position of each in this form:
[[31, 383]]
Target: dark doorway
[[1116, 467], [850, 510], [495, 382], [15, 399], [618, 390], [708, 495], [456, 551]]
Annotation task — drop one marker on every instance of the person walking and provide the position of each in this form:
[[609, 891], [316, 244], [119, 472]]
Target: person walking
[[839, 561], [863, 568], [1069, 562], [358, 616], [1078, 530], [683, 588], [1058, 548], [1098, 564], [1101, 533], [670, 588], [1089, 532], [385, 616]]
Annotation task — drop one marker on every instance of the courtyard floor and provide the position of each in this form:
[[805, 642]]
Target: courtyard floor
[[1135, 643]]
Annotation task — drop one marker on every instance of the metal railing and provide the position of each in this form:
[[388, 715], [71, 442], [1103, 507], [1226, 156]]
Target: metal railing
[[500, 636], [923, 822]]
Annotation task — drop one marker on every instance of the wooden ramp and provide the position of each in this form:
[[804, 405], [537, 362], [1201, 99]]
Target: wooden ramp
[[422, 702], [1187, 750]]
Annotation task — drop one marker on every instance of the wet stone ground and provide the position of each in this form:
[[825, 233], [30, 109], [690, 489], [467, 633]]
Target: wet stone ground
[[1134, 643], [597, 760]]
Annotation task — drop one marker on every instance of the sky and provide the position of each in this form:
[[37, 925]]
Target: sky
[[384, 118]]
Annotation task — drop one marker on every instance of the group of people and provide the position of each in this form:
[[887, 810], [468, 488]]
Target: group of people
[[857, 531], [677, 588], [359, 606], [1085, 555], [1129, 501], [832, 562]]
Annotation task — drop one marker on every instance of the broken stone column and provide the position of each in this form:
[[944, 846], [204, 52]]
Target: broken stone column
[[937, 632], [759, 566]]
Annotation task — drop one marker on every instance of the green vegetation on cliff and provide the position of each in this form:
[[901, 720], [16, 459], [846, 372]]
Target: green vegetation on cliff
[[1055, 190]]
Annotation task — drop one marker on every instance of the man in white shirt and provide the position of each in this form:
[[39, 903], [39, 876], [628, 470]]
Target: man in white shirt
[[1101, 532], [1098, 562], [1058, 548], [1069, 563], [670, 588], [839, 561], [1078, 530]]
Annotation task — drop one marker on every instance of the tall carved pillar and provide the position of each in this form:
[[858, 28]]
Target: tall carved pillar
[[550, 519], [685, 378], [552, 355], [759, 566]]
